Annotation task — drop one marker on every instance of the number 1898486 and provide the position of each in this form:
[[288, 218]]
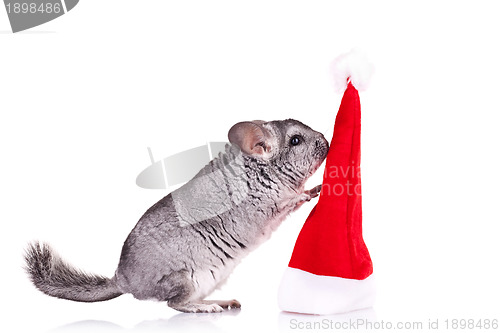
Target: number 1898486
[[33, 8]]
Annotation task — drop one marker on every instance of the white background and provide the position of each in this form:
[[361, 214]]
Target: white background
[[83, 96]]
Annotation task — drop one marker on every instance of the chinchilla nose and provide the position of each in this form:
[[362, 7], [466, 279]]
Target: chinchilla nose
[[321, 147]]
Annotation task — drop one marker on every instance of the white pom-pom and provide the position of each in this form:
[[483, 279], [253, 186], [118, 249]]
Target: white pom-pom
[[354, 67]]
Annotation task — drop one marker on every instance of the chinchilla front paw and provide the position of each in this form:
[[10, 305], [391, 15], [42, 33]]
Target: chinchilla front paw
[[313, 193]]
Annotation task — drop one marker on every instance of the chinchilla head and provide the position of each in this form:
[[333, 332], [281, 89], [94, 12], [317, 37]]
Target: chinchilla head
[[293, 149]]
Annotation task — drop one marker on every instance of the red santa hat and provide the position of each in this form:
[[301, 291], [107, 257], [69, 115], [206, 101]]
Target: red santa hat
[[331, 270]]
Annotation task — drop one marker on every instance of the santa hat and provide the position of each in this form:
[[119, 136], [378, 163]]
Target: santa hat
[[331, 270]]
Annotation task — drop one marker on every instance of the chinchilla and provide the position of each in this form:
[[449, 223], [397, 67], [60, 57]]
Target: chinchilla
[[186, 245]]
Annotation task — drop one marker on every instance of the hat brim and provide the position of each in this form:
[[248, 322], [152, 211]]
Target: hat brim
[[304, 292]]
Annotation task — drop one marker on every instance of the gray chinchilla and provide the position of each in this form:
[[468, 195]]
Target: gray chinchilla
[[188, 243]]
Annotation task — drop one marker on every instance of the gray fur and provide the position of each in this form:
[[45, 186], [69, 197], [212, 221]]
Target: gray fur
[[51, 275], [187, 244]]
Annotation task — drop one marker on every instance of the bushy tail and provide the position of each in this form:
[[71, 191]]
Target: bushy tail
[[52, 276]]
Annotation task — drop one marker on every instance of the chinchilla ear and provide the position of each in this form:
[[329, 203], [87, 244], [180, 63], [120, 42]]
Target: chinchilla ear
[[251, 137]]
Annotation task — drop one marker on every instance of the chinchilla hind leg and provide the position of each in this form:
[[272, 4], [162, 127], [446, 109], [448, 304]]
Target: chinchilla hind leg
[[178, 289]]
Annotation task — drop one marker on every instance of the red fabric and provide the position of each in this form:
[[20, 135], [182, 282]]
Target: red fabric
[[331, 241]]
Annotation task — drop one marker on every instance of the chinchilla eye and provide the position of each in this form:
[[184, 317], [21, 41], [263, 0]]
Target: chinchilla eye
[[295, 140]]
